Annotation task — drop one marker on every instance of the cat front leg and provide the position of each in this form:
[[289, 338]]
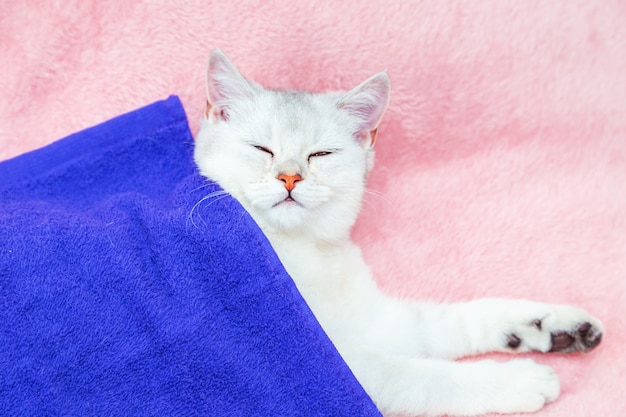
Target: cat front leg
[[435, 387], [501, 325]]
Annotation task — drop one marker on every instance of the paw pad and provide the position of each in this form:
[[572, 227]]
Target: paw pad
[[582, 339], [513, 341]]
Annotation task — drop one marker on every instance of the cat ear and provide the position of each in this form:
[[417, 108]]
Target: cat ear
[[367, 103], [224, 85]]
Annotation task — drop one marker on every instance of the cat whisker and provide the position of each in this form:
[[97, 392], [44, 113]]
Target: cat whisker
[[241, 216], [370, 204], [216, 196], [205, 185], [377, 194]]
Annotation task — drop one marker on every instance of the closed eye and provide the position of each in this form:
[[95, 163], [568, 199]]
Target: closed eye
[[318, 154], [264, 149]]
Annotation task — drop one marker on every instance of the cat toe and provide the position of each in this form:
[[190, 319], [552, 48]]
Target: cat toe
[[583, 338]]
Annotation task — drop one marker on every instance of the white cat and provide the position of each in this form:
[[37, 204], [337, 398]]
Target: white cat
[[298, 162]]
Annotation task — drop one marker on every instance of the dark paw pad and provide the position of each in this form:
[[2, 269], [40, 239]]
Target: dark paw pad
[[584, 338], [561, 341], [513, 341]]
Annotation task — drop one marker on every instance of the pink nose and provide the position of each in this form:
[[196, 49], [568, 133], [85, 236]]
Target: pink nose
[[290, 180]]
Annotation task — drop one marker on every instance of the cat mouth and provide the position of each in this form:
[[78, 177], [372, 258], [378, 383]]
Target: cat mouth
[[289, 201]]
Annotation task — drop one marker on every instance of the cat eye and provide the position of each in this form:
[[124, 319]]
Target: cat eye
[[264, 149], [316, 154]]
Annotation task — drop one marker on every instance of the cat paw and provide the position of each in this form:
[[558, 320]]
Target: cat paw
[[525, 387], [583, 338], [564, 329]]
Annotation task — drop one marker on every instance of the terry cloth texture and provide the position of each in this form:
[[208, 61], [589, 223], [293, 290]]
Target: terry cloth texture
[[124, 293]]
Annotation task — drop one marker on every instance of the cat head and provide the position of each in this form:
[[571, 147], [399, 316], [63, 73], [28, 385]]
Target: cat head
[[297, 161]]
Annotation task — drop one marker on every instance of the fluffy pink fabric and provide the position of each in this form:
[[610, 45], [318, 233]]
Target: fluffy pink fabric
[[501, 166]]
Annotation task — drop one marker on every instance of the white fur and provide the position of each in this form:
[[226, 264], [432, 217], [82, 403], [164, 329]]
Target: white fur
[[401, 351]]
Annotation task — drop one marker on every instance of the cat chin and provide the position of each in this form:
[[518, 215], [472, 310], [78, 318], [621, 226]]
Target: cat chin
[[286, 216]]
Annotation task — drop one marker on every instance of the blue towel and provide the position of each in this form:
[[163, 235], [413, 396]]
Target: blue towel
[[122, 293]]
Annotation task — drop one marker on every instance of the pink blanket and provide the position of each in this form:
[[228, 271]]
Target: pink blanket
[[501, 166]]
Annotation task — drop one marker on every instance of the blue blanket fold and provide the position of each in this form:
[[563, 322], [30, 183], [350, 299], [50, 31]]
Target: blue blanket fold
[[123, 294]]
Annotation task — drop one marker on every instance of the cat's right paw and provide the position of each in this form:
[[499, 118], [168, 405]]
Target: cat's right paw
[[562, 329], [522, 386], [581, 338]]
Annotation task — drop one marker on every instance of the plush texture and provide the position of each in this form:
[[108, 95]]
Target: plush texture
[[123, 296], [501, 162]]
